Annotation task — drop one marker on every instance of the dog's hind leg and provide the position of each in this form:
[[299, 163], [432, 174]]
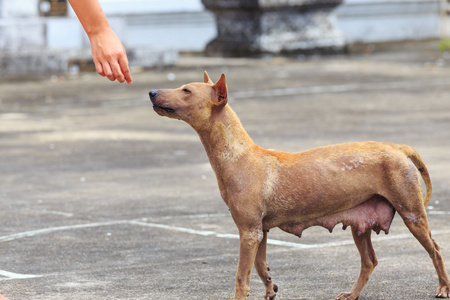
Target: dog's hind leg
[[416, 221], [263, 269], [368, 263], [410, 205]]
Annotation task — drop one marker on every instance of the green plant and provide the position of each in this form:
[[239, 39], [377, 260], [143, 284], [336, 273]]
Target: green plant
[[444, 45]]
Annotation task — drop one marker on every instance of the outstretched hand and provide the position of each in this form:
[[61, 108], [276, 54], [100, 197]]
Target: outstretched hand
[[110, 57]]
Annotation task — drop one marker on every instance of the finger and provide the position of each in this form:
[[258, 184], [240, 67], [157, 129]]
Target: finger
[[108, 72], [123, 62], [100, 71], [117, 71]]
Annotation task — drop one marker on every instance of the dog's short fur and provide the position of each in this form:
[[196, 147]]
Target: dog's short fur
[[360, 185]]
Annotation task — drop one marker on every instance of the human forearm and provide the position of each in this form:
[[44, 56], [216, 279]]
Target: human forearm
[[91, 15], [108, 52]]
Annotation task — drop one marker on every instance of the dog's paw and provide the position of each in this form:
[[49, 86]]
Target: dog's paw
[[272, 295], [347, 296], [443, 292]]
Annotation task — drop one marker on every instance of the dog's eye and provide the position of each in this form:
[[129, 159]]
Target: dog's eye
[[186, 91]]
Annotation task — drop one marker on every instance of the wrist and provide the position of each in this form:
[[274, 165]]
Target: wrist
[[97, 29]]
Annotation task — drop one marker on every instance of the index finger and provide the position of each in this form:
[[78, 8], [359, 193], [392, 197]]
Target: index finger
[[123, 63]]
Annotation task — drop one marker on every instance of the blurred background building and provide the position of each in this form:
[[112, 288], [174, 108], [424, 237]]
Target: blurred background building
[[45, 35]]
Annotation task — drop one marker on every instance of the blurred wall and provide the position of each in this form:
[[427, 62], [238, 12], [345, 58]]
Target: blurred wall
[[175, 24], [154, 31], [185, 25], [371, 21]]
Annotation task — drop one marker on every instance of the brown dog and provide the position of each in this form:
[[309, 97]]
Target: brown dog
[[360, 185]]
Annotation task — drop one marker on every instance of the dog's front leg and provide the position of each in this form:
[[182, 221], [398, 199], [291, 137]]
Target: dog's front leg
[[263, 269], [249, 240]]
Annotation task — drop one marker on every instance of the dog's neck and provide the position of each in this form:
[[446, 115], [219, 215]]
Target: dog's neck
[[224, 139]]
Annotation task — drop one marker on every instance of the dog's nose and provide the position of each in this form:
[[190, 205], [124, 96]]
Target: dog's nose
[[152, 94]]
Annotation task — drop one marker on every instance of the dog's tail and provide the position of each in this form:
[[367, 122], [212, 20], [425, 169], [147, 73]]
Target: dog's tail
[[414, 156]]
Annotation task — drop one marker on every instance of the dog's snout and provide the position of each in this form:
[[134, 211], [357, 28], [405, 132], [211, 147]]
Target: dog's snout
[[152, 94]]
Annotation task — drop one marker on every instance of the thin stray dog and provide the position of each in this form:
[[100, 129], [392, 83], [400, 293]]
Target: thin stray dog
[[360, 185]]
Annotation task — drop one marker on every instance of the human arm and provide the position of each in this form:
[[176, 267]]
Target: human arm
[[108, 52]]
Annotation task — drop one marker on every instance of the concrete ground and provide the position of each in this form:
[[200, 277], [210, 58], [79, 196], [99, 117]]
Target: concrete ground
[[103, 199]]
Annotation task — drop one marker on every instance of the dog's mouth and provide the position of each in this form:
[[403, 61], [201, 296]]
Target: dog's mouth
[[167, 109], [157, 105]]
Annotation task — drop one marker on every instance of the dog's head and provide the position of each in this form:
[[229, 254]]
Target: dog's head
[[193, 103]]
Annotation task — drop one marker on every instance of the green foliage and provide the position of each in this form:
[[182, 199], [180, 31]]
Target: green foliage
[[444, 45]]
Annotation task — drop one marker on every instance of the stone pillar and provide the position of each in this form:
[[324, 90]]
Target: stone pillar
[[252, 27]]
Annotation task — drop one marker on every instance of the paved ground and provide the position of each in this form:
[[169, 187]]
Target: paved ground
[[103, 199]]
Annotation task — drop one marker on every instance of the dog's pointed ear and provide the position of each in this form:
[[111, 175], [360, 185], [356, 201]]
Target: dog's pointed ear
[[221, 91], [206, 78]]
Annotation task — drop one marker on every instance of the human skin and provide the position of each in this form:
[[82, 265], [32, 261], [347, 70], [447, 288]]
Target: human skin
[[108, 52]]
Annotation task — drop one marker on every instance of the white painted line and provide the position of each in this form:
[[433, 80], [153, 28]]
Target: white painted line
[[10, 276], [174, 228], [227, 236], [436, 212], [12, 237], [60, 213], [341, 88], [203, 233], [219, 235], [278, 242], [32, 233], [349, 242], [309, 246], [199, 216]]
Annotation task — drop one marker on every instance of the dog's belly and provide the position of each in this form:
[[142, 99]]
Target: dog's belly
[[374, 214]]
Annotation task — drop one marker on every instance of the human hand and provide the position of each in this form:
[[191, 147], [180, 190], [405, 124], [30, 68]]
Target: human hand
[[110, 57]]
